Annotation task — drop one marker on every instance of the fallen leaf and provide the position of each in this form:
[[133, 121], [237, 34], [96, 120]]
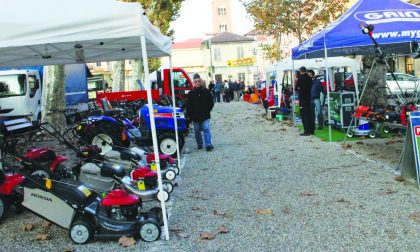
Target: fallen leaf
[[42, 237], [182, 235], [291, 150], [126, 241], [414, 216], [215, 212], [341, 200], [207, 236], [196, 209], [400, 179], [264, 211], [390, 142], [27, 227], [359, 142], [346, 146], [69, 250], [388, 191], [46, 224], [285, 210], [303, 194], [176, 230], [222, 230]]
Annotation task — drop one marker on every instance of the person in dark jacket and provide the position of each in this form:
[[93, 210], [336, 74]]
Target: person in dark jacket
[[304, 86], [199, 105], [211, 88], [315, 99]]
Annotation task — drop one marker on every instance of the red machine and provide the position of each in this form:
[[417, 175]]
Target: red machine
[[182, 85]]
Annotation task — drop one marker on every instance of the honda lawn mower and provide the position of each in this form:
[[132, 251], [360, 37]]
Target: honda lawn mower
[[71, 205]]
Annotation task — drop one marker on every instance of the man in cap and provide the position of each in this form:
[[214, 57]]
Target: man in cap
[[199, 104]]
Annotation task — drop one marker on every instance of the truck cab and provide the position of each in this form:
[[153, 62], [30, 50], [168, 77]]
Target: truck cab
[[182, 83], [20, 94]]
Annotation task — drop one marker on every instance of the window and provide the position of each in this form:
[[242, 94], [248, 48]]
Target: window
[[409, 67], [98, 64], [179, 80], [216, 54], [12, 85], [33, 85], [240, 52], [221, 11], [222, 27]]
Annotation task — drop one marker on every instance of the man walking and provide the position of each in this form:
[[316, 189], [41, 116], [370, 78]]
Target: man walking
[[315, 99], [217, 90], [199, 105], [211, 88], [304, 85]]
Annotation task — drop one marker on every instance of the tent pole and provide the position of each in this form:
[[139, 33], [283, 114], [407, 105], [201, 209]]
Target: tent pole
[[174, 108], [293, 93], [328, 89], [153, 126]]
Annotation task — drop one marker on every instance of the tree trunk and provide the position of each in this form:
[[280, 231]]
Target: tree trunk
[[375, 92], [54, 97], [137, 75], [118, 76]]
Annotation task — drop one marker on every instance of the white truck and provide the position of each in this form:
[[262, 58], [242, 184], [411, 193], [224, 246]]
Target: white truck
[[21, 91]]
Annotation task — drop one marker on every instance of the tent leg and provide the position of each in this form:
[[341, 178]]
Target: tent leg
[[153, 127], [328, 89], [293, 93], [175, 118]]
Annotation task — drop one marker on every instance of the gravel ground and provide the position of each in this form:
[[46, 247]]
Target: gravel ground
[[273, 191]]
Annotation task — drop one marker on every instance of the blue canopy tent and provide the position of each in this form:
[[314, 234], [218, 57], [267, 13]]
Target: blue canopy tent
[[396, 23]]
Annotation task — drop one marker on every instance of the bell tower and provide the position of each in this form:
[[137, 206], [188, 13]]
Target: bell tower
[[222, 16]]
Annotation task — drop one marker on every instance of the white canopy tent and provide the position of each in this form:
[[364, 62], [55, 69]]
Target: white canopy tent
[[279, 68], [50, 32]]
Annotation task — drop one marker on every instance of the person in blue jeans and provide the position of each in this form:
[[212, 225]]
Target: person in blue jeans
[[217, 91], [315, 99], [199, 104]]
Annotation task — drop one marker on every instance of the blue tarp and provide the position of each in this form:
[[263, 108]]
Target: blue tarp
[[396, 23]]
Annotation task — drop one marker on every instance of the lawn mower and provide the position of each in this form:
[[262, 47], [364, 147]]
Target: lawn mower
[[71, 205]]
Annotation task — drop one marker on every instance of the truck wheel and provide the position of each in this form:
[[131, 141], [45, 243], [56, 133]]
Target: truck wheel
[[81, 232], [350, 134], [3, 207], [372, 134], [387, 129], [149, 230]]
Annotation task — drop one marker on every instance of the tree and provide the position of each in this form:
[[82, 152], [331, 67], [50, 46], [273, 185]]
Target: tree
[[161, 14], [53, 97], [299, 18]]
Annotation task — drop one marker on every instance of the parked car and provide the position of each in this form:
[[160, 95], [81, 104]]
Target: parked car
[[407, 83]]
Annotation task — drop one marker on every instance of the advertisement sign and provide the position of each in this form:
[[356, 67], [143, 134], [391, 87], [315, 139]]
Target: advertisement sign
[[415, 127], [242, 62]]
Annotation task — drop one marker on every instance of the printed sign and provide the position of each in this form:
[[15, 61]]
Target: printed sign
[[386, 16], [415, 127], [242, 62]]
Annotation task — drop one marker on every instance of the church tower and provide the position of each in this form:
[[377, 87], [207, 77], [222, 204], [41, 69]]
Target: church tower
[[222, 16]]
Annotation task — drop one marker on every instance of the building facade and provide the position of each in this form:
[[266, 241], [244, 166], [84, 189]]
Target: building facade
[[222, 16]]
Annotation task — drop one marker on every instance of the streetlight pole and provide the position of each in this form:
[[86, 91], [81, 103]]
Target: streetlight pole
[[211, 61]]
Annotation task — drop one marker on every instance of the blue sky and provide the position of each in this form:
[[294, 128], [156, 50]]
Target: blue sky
[[196, 19]]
